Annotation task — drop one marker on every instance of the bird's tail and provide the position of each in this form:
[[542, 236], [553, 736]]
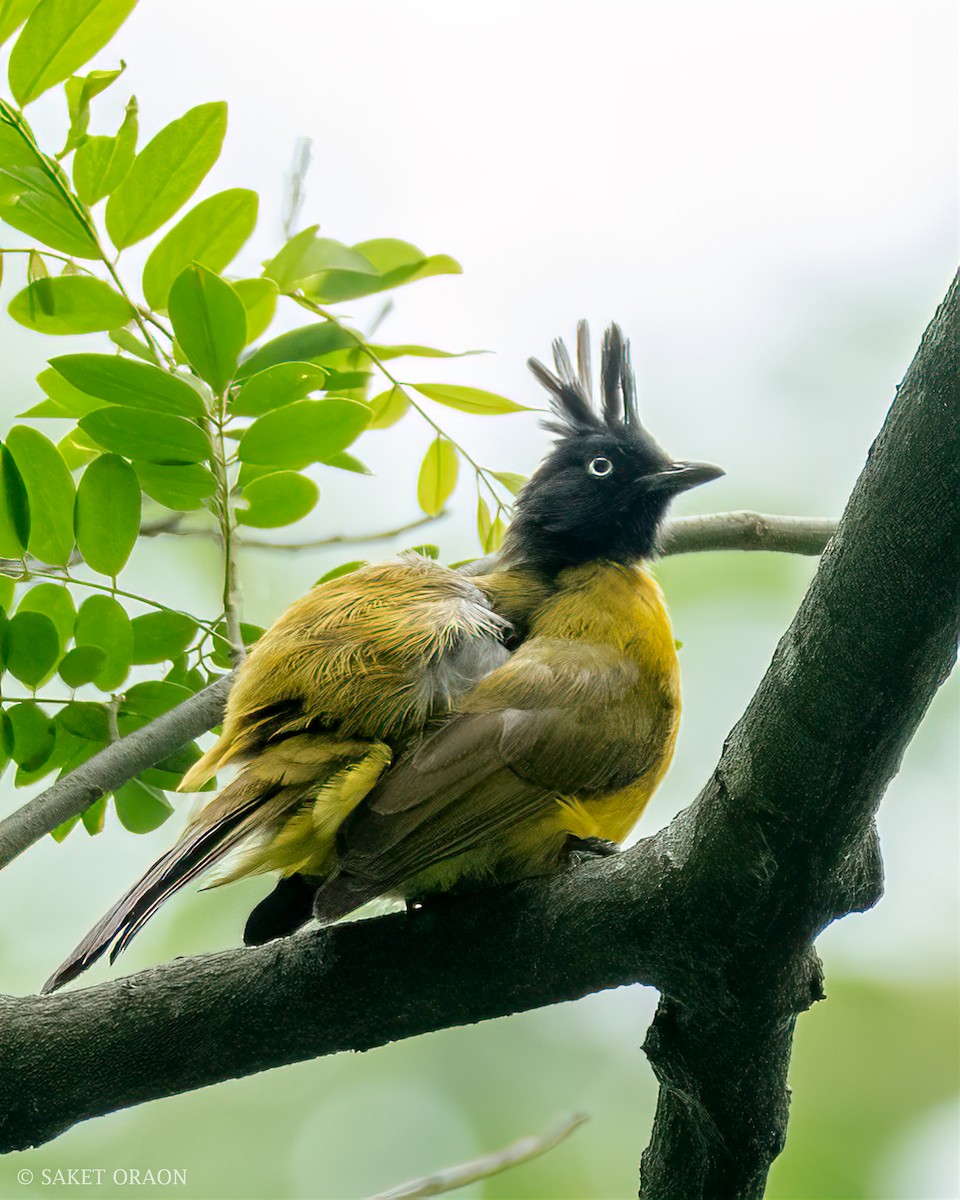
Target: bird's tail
[[237, 812]]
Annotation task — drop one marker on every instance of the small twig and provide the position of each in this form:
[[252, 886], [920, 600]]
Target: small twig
[[747, 531], [170, 524], [517, 1152]]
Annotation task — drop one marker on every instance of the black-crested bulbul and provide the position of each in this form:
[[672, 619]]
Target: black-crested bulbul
[[408, 729]]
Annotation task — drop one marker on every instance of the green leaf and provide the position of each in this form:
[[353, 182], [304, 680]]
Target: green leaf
[[34, 735], [33, 647], [81, 665], [166, 173], [306, 255], [510, 480], [61, 831], [94, 816], [102, 622], [91, 722], [54, 601], [468, 399], [80, 90], [183, 489], [77, 449], [210, 323], [347, 462], [438, 475], [388, 408], [278, 499], [130, 384], [305, 344], [394, 263], [6, 603], [69, 400], [12, 15], [210, 234], [50, 494], [161, 636], [259, 299], [304, 432], [490, 530], [407, 350], [484, 522], [277, 386], [102, 163], [249, 634], [14, 509], [140, 807], [34, 195], [59, 36], [346, 568], [70, 304], [150, 437], [107, 517], [133, 345], [152, 699]]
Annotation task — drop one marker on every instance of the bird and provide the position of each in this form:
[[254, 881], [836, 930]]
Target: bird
[[408, 729]]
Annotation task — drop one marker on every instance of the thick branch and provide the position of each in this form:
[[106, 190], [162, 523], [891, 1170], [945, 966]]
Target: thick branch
[[110, 768], [74, 793]]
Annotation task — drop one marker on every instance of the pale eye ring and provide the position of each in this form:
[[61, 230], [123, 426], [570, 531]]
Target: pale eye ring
[[600, 467]]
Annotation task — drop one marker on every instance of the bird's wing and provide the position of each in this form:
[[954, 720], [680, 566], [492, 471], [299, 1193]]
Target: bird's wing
[[532, 735], [371, 654]]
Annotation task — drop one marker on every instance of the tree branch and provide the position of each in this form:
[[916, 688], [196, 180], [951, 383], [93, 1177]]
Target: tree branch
[[748, 531], [517, 1152], [110, 768], [74, 793]]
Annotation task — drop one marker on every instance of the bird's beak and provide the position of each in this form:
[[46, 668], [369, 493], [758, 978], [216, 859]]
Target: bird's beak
[[681, 476]]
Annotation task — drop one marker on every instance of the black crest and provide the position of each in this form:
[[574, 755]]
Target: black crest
[[571, 390]]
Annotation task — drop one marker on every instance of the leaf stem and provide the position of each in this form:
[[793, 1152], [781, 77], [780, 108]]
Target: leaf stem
[[483, 475], [226, 519], [137, 315], [65, 577], [48, 254]]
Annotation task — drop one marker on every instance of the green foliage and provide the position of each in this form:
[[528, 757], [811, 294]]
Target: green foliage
[[70, 304], [210, 324], [212, 234], [438, 476], [107, 515], [165, 174], [193, 407], [59, 36]]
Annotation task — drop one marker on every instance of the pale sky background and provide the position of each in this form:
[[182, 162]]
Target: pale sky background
[[763, 195]]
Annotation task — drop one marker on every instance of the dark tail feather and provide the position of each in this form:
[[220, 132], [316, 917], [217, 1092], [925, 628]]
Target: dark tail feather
[[340, 895], [282, 912], [168, 874]]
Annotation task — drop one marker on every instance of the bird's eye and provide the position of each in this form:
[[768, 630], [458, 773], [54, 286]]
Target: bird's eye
[[600, 467]]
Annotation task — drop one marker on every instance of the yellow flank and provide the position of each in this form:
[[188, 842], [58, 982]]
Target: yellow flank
[[598, 648], [601, 644], [623, 608], [304, 839]]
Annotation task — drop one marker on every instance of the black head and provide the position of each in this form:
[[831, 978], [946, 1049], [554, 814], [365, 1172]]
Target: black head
[[603, 490]]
